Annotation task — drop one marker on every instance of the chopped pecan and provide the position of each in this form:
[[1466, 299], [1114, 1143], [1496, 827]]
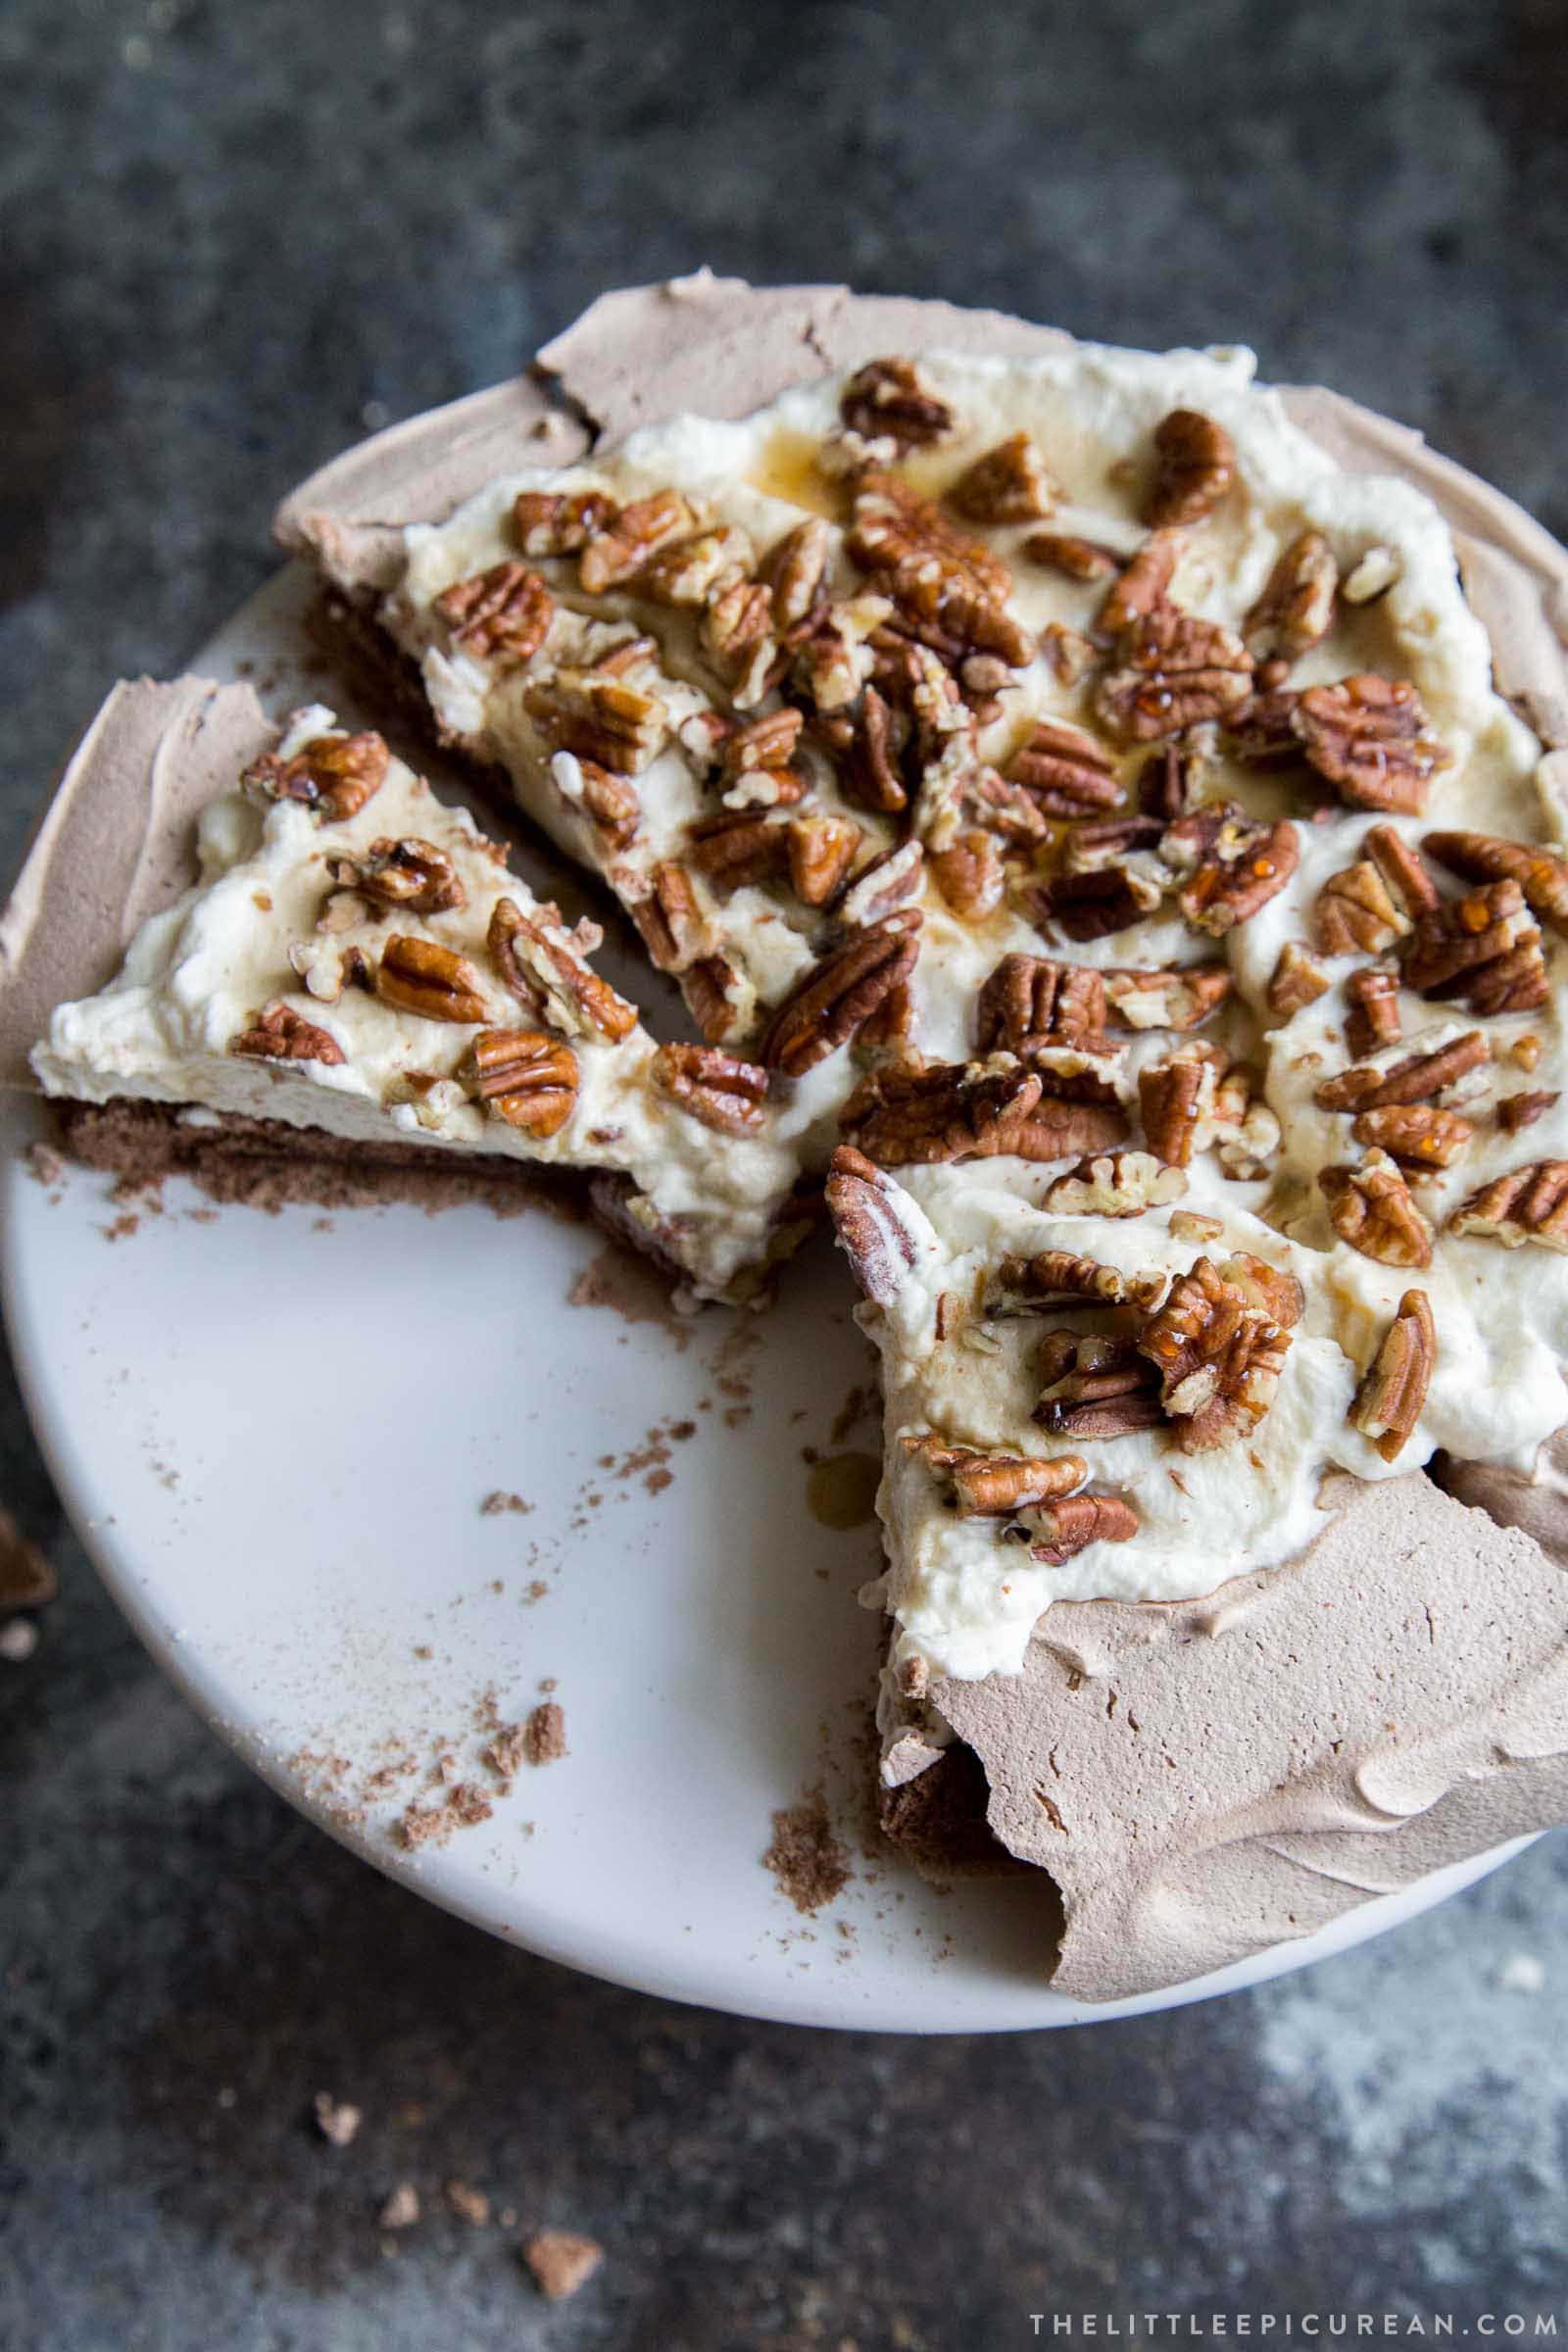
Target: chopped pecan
[[1174, 671], [886, 401], [501, 616], [664, 909], [1096, 1386], [1068, 1527], [1231, 886], [1541, 875], [558, 522], [1219, 1345], [1523, 1109], [1116, 1184], [687, 572], [795, 571], [1069, 655], [600, 719], [869, 776], [1354, 913], [610, 802], [1065, 552], [1402, 869], [1529, 1205], [1092, 905], [1420, 1136], [1141, 590], [1297, 605], [418, 975], [1368, 736], [1028, 998], [767, 743], [724, 1092], [540, 962], [1370, 1206], [738, 635], [333, 774], [1172, 1097], [1008, 484], [1387, 1404], [1295, 981], [738, 848], [1373, 575], [1166, 782], [865, 1206], [970, 875], [1195, 465], [1173, 997], [829, 1005], [900, 1116], [1373, 1020], [277, 1033], [1525, 1052], [710, 987], [1419, 1078], [1064, 771], [526, 1077], [411, 873], [631, 537], [845, 646], [821, 850], [992, 1486], [1483, 947], [880, 889], [1068, 1121], [1195, 1225], [900, 536], [1260, 730], [1062, 1278]]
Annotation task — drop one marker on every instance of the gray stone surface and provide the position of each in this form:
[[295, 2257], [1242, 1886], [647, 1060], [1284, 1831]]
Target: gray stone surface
[[234, 237]]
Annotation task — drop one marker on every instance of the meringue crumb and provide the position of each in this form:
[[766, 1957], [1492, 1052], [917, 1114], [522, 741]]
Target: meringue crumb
[[336, 2120], [401, 2208], [470, 2205], [560, 2261]]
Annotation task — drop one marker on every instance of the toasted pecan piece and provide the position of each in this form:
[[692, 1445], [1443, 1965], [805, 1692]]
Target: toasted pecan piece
[[1068, 1528], [1355, 915], [1007, 484], [992, 1486], [905, 539], [609, 801], [725, 1093], [888, 400], [664, 909], [1297, 605], [1164, 997], [1029, 998], [971, 874], [1228, 890], [900, 1116], [1402, 868], [1173, 671], [1295, 981], [1063, 1277], [277, 1033], [558, 522], [1370, 736], [1370, 1206], [411, 874], [1418, 1078], [867, 1207], [501, 616], [1420, 1136], [526, 1077], [420, 976], [1142, 587], [1065, 552], [829, 1005], [333, 774], [540, 962], [1098, 1385], [1069, 654], [1195, 465], [687, 573], [1116, 1184], [1529, 1205], [1219, 1345], [1483, 947], [1540, 874], [1373, 1020], [1515, 1111], [630, 538], [1168, 782], [795, 571], [1065, 771], [739, 636], [1387, 1404], [603, 718], [768, 743], [1172, 1097]]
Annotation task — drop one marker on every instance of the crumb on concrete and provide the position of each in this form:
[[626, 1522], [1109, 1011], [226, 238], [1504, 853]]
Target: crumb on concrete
[[337, 2120], [470, 2205], [560, 2261], [401, 2209], [19, 1638]]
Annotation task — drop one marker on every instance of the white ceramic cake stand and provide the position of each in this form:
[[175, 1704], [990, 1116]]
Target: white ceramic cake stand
[[273, 1436]]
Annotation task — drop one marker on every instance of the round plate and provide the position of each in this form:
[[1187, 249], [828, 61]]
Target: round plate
[[275, 1437]]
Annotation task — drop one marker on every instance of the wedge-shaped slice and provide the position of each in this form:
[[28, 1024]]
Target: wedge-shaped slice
[[356, 972]]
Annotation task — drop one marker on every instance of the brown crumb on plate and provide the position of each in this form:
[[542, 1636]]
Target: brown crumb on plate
[[808, 1861]]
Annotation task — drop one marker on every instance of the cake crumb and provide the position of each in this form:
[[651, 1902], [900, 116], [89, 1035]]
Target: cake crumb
[[337, 2120], [44, 1164], [537, 1590], [508, 1751], [560, 2261], [499, 1500], [544, 1736], [26, 1579], [806, 1857], [432, 1825], [470, 2205], [401, 2209]]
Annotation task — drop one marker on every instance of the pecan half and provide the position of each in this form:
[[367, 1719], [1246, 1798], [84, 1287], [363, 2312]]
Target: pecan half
[[1141, 590], [538, 961], [1008, 484], [1096, 1386], [1418, 1135], [739, 847], [420, 976], [501, 616], [1483, 947], [686, 572], [1069, 654], [526, 1077], [725, 1093], [1079, 558], [558, 522], [1387, 1404], [1373, 1020], [1167, 783], [610, 802], [887, 401], [333, 774], [1116, 1184], [1368, 736], [1515, 1111], [709, 987], [631, 537], [1068, 1527], [795, 571], [1228, 888], [663, 907], [1297, 605], [992, 1486], [871, 776], [600, 719], [1370, 1206], [1295, 981], [906, 539], [1090, 905], [1195, 465], [411, 873], [1355, 915], [1170, 996], [1174, 671], [1172, 1098], [1062, 1278], [902, 1117], [1417, 1079], [1064, 771], [767, 744], [881, 888], [277, 1033], [970, 875], [738, 635], [1402, 869], [865, 1206], [1028, 999], [1530, 1205], [1219, 1349], [829, 1005], [1540, 874]]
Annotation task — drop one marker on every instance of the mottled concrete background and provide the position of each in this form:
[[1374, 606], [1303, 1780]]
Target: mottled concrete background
[[235, 235]]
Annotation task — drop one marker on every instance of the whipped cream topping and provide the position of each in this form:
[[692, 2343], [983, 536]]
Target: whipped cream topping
[[250, 935]]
